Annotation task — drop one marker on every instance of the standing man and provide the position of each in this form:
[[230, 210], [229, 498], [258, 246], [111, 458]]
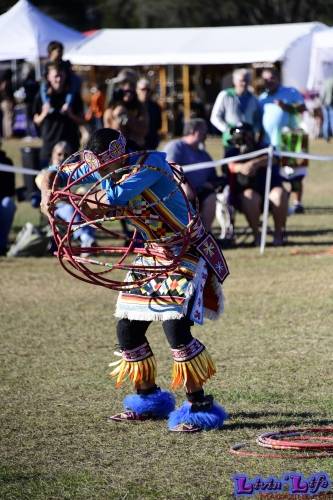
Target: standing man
[[281, 107], [236, 105], [188, 150], [55, 123], [143, 90]]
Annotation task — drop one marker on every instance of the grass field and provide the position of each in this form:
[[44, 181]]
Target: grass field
[[272, 348]]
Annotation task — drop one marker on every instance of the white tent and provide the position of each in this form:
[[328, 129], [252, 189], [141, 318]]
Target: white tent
[[289, 43], [321, 65], [25, 33]]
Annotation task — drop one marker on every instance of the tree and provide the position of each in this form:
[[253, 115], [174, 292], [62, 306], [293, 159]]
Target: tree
[[94, 14]]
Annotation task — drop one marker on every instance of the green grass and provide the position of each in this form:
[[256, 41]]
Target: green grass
[[272, 347]]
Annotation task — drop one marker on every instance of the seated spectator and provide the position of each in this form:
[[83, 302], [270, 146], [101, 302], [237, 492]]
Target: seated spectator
[[201, 182], [7, 204], [247, 180], [65, 211], [143, 89]]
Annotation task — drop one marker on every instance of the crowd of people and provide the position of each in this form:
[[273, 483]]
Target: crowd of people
[[247, 121]]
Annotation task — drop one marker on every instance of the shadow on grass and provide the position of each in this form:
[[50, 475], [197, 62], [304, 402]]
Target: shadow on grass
[[319, 210], [285, 419]]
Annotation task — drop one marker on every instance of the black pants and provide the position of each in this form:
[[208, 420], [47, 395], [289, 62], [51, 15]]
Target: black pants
[[132, 333]]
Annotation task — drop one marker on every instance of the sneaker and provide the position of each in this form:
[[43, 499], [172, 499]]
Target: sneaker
[[281, 241], [298, 208]]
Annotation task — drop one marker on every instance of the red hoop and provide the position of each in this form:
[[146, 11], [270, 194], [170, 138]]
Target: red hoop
[[302, 441], [160, 249]]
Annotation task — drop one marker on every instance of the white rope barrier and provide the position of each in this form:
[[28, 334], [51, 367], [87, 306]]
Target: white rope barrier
[[225, 161], [208, 164], [303, 156], [18, 170], [218, 163]]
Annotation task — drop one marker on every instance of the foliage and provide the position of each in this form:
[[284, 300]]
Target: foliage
[[173, 13]]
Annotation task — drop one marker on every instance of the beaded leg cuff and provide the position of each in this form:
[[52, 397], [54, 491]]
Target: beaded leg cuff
[[192, 363], [137, 364]]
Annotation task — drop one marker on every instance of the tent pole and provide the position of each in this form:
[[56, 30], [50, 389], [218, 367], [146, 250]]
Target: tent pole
[[266, 200], [186, 91], [163, 96], [13, 65]]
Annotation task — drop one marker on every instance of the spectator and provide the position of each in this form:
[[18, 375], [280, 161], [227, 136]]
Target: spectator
[[138, 120], [31, 88], [55, 51], [65, 211], [94, 114], [116, 117], [201, 183], [6, 103], [281, 107], [143, 89], [113, 84], [247, 181], [236, 105], [327, 102], [7, 204], [54, 123]]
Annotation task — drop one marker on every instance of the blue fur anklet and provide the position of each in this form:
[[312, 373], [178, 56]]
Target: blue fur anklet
[[206, 420], [158, 404]]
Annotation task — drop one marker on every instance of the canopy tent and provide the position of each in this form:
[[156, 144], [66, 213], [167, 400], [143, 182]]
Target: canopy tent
[[321, 61], [25, 33], [222, 45]]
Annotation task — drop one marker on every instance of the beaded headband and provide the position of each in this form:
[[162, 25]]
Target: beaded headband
[[116, 148]]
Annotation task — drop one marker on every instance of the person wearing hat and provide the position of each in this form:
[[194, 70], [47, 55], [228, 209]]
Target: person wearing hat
[[247, 180], [122, 92]]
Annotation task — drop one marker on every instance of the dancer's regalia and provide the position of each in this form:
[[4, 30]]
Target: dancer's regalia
[[178, 297]]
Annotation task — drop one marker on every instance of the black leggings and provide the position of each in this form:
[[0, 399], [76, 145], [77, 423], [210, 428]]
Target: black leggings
[[132, 333]]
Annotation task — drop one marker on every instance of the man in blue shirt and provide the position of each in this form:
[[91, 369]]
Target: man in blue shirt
[[281, 107]]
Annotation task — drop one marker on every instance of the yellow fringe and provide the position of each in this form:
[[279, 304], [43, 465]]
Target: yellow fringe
[[198, 370], [136, 371]]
